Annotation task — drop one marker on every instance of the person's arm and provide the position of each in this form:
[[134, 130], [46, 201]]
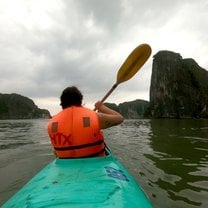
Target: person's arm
[[107, 117]]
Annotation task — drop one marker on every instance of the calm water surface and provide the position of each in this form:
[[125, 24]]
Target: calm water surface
[[168, 158]]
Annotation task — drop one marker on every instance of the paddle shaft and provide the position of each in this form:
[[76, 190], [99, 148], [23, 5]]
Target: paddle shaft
[[109, 92]]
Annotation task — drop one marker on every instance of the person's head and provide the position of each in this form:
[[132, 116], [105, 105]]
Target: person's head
[[71, 96]]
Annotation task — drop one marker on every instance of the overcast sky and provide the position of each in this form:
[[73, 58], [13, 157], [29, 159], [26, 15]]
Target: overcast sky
[[47, 45]]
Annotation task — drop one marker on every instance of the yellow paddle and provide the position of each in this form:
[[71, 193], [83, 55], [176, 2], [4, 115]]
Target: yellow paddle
[[131, 66]]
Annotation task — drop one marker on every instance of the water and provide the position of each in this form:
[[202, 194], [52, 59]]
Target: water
[[168, 158]]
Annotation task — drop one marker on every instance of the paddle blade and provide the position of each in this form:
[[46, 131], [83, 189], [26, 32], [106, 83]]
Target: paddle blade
[[133, 63]]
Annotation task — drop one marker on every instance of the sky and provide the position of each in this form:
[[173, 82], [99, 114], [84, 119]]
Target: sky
[[48, 45]]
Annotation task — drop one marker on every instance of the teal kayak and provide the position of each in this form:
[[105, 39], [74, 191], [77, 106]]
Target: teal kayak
[[82, 183]]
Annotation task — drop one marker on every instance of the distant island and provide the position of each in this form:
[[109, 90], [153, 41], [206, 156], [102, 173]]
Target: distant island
[[15, 106], [132, 109]]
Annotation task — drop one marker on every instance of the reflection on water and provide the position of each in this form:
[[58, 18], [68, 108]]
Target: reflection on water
[[180, 154], [168, 158]]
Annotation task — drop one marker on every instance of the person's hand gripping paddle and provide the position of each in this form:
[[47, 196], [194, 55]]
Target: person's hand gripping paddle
[[131, 66]]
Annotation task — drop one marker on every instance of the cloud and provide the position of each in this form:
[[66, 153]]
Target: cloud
[[47, 45]]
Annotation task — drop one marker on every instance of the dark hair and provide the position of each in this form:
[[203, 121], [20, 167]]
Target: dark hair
[[71, 96]]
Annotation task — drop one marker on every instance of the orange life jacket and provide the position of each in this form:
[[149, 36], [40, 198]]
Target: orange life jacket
[[75, 133]]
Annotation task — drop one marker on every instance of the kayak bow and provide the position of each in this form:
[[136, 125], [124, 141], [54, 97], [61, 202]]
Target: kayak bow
[[86, 182]]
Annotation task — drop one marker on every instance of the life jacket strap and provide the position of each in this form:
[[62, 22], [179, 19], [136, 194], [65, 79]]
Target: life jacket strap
[[79, 146], [91, 155]]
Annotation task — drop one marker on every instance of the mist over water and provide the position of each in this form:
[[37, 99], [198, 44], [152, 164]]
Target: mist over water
[[168, 158]]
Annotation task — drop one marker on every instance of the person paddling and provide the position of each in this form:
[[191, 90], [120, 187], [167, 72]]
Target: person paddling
[[75, 132]]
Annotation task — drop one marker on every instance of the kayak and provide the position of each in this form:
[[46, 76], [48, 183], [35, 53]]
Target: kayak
[[81, 183]]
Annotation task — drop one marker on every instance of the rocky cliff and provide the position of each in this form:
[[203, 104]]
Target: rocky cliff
[[14, 106], [133, 109], [179, 87]]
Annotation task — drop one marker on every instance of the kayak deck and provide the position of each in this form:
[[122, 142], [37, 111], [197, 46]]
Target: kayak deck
[[92, 182]]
